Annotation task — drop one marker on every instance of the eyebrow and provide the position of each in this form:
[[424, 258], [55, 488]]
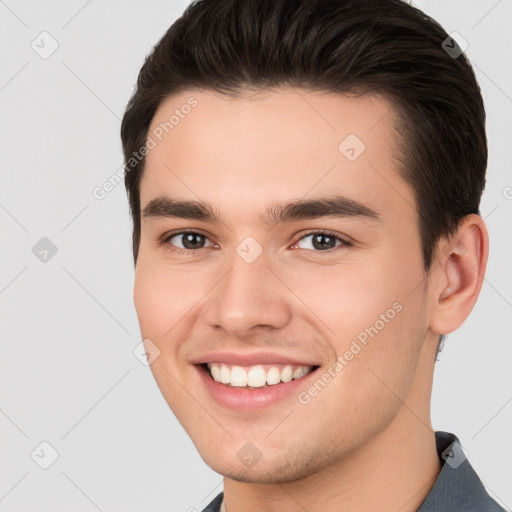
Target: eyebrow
[[333, 206]]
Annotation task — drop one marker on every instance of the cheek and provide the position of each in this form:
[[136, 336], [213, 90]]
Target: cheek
[[377, 341], [162, 297], [160, 305], [346, 299], [148, 299], [373, 320], [367, 293]]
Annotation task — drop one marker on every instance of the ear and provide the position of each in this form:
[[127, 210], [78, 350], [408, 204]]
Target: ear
[[462, 260]]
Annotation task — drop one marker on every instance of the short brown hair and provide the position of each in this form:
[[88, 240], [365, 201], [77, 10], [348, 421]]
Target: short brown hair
[[340, 46]]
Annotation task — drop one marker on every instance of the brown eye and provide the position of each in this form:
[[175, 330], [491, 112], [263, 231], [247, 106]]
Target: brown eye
[[187, 241], [322, 241]]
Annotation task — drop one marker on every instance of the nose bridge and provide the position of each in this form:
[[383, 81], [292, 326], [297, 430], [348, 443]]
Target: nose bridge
[[248, 295]]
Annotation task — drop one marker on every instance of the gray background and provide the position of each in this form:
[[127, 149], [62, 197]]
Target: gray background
[[68, 373]]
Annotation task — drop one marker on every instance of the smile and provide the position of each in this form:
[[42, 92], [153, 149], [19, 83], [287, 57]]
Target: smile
[[255, 387], [257, 376]]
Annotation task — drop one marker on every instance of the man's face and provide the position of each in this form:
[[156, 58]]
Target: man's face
[[341, 294]]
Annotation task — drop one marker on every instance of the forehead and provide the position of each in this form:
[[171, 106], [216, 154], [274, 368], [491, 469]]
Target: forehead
[[245, 152]]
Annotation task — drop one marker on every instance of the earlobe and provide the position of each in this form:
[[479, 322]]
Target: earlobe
[[461, 267]]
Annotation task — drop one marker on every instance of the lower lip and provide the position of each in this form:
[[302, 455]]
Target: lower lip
[[251, 399]]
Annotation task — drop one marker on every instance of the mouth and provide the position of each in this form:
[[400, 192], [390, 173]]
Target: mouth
[[254, 388], [256, 376]]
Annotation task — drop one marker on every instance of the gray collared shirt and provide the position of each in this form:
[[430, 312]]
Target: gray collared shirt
[[457, 488]]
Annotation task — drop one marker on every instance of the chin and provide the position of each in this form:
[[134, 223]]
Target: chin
[[265, 471]]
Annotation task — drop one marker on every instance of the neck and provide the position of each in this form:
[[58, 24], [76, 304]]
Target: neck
[[393, 471]]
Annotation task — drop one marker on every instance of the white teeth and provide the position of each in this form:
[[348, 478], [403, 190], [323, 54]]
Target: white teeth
[[238, 377], [299, 372], [255, 376], [225, 374], [216, 372], [287, 374], [273, 376]]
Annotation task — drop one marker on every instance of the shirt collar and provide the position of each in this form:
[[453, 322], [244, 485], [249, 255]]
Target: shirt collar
[[457, 487]]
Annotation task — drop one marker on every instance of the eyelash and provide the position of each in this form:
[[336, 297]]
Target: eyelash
[[178, 250]]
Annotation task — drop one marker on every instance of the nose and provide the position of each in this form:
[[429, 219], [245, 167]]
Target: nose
[[250, 296]]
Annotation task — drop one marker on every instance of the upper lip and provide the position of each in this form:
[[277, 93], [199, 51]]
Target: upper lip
[[250, 358]]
